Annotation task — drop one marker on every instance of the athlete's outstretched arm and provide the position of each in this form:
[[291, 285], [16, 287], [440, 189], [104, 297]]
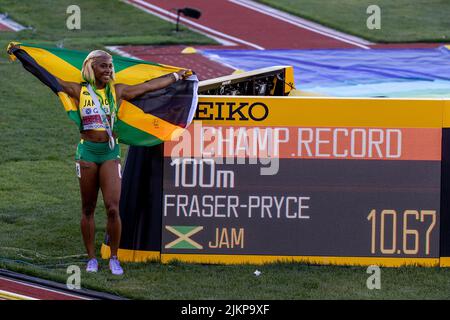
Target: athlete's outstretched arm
[[73, 89], [130, 92]]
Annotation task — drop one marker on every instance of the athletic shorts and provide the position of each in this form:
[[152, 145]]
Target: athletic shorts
[[97, 152]]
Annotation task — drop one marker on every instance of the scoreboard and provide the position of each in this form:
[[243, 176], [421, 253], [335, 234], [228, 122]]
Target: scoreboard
[[260, 176], [321, 180]]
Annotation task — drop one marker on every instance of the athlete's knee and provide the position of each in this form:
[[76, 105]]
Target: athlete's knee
[[88, 210], [112, 210]]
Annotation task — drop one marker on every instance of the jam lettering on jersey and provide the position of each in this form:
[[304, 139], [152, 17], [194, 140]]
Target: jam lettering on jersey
[[91, 115]]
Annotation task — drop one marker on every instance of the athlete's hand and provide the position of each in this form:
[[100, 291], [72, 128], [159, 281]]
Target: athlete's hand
[[9, 51], [184, 73]]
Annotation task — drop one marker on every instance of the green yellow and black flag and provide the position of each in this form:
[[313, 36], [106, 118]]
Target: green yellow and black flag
[[144, 121]]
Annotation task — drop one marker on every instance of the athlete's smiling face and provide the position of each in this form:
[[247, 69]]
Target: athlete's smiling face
[[103, 68]]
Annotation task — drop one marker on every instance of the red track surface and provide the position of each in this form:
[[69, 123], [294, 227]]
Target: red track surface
[[4, 28], [34, 291], [245, 27], [266, 30], [250, 25], [171, 55]]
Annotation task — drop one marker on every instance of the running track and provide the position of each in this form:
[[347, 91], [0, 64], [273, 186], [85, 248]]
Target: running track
[[16, 286], [11, 289], [4, 28], [240, 24], [256, 26], [6, 24]]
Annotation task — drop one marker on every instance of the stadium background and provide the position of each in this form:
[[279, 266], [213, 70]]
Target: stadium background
[[39, 209]]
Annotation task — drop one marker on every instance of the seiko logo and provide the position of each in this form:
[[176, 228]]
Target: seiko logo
[[242, 111]]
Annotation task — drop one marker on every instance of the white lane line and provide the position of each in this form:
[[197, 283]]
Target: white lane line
[[43, 288], [10, 23], [302, 23], [216, 58], [14, 296], [194, 24], [120, 52]]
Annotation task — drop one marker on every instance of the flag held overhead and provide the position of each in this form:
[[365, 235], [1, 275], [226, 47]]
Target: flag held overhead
[[146, 120]]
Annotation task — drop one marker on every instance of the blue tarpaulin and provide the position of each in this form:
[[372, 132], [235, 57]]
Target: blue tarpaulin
[[354, 72]]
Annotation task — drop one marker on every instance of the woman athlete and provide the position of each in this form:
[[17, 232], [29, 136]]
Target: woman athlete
[[97, 160], [98, 153]]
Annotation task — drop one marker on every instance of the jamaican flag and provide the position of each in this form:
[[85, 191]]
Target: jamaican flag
[[144, 121]]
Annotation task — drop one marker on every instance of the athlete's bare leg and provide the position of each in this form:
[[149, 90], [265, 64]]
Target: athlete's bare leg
[[110, 184], [89, 185]]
